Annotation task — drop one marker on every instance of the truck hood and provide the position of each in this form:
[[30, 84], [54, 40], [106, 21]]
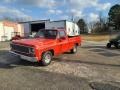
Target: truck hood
[[35, 42]]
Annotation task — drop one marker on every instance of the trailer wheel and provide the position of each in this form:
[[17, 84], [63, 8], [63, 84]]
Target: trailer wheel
[[46, 58], [74, 50], [108, 45]]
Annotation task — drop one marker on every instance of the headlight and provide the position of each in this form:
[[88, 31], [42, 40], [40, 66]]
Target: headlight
[[31, 50]]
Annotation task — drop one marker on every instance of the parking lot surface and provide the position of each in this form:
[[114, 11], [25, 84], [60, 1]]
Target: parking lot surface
[[93, 67]]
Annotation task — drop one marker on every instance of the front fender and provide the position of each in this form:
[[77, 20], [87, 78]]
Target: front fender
[[38, 53]]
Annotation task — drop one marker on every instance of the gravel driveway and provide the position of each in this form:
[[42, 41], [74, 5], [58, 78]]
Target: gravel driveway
[[93, 67]]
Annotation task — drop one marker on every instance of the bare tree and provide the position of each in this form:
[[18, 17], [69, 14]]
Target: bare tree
[[100, 26]]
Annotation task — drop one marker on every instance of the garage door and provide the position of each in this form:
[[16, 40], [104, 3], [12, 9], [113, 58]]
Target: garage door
[[8, 32]]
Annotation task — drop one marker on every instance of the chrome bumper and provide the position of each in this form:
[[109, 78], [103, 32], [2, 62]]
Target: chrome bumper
[[31, 59]]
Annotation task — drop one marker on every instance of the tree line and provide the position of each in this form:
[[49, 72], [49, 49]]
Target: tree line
[[104, 24]]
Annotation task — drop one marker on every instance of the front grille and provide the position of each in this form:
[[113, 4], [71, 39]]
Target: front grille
[[19, 48]]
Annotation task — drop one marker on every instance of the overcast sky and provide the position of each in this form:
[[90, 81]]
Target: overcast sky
[[56, 9]]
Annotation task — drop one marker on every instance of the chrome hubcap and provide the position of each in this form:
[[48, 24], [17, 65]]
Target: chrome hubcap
[[74, 49], [47, 58]]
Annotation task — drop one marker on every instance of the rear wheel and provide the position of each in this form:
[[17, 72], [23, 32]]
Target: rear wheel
[[109, 45], [74, 50], [46, 58]]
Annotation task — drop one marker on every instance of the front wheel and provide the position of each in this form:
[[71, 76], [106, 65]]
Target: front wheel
[[74, 50], [46, 58]]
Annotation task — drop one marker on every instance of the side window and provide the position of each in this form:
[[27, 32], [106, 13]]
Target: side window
[[62, 34]]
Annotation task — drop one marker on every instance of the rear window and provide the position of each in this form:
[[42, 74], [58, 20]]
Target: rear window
[[46, 34]]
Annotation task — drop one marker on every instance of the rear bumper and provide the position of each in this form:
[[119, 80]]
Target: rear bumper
[[31, 59]]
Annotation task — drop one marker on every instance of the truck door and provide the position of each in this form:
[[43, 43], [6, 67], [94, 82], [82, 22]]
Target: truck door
[[63, 41]]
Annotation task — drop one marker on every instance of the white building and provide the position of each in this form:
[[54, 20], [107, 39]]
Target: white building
[[8, 30]]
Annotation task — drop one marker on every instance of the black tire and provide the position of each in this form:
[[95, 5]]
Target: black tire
[[116, 45], [46, 58], [109, 45], [74, 50]]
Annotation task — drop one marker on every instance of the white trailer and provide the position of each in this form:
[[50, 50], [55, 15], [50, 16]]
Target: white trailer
[[71, 28]]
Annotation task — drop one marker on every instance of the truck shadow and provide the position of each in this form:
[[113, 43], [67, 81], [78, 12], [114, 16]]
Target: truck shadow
[[18, 63], [3, 52], [27, 63], [8, 61], [3, 59]]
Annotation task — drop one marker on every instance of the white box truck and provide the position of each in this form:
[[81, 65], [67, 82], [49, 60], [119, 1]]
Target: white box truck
[[71, 28]]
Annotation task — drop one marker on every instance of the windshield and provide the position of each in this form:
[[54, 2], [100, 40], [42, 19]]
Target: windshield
[[50, 34]]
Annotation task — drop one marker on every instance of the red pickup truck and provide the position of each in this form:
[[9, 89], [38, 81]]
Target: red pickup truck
[[44, 45]]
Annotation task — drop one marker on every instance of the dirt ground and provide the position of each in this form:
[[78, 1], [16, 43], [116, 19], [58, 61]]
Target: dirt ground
[[93, 67]]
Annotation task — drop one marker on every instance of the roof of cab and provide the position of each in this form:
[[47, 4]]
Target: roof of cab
[[53, 29]]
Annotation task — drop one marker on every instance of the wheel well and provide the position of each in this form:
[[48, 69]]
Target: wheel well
[[77, 44], [52, 51]]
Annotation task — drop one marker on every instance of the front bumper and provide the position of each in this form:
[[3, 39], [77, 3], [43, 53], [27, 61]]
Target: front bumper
[[31, 59]]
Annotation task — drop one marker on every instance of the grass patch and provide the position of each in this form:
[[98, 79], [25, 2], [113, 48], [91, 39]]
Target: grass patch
[[93, 37]]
